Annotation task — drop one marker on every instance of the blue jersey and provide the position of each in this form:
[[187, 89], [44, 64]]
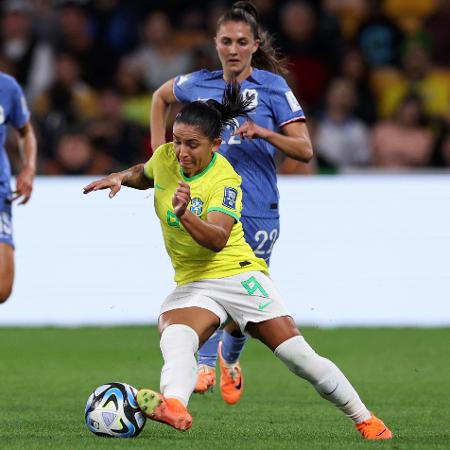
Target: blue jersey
[[13, 111], [252, 159]]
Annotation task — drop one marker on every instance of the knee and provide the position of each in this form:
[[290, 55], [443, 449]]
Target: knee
[[178, 338], [297, 354]]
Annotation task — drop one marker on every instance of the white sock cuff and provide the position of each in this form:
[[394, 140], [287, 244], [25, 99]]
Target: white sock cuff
[[176, 333]]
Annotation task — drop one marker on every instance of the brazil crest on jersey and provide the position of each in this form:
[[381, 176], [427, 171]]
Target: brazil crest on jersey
[[275, 106], [216, 188], [14, 111]]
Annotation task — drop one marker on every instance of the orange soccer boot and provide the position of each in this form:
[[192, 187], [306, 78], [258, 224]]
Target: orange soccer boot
[[374, 428], [166, 410], [206, 379], [231, 380]]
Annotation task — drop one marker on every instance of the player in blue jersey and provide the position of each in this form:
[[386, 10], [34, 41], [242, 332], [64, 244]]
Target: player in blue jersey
[[14, 112], [278, 122]]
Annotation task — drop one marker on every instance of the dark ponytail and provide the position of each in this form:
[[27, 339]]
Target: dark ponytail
[[211, 117], [266, 57]]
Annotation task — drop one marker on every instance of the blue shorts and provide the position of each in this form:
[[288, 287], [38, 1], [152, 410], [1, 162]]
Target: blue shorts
[[261, 234], [6, 232]]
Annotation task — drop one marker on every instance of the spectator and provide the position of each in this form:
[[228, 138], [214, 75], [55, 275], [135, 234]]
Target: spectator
[[68, 101], [157, 57], [45, 21], [96, 61], [113, 23], [74, 155], [418, 76], [311, 54], [379, 37], [341, 140], [32, 60], [355, 68], [114, 136], [403, 141], [136, 99]]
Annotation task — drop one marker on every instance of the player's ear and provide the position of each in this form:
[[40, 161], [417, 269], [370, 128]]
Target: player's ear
[[216, 144], [256, 46]]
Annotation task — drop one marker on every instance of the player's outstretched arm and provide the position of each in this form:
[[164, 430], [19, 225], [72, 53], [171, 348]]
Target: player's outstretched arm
[[133, 177], [212, 233]]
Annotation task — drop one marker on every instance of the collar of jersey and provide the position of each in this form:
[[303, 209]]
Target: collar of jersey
[[218, 74], [203, 172]]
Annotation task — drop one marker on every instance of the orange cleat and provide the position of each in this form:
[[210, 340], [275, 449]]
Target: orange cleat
[[206, 379], [166, 410], [231, 379], [374, 428]]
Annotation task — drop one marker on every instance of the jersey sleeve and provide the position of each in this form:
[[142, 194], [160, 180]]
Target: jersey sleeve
[[184, 86], [285, 106], [149, 166], [226, 197], [19, 114]]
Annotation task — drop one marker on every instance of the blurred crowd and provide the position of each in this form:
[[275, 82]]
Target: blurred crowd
[[373, 76]]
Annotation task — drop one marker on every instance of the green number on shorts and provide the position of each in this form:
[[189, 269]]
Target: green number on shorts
[[172, 219], [252, 285]]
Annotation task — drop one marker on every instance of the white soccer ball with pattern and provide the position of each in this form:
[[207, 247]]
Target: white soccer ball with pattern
[[112, 410]]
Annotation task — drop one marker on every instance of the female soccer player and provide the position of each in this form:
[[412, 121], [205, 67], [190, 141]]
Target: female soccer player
[[198, 201], [13, 111], [277, 122]]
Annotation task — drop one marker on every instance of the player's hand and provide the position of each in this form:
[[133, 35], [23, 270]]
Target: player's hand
[[24, 186], [249, 130], [181, 198], [112, 182]]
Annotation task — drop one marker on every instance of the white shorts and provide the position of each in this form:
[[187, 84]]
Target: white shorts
[[245, 297]]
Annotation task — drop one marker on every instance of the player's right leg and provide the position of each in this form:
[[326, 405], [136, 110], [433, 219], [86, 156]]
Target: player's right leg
[[6, 255], [282, 337], [187, 319]]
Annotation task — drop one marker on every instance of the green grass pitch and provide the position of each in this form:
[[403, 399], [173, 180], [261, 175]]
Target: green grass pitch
[[403, 375]]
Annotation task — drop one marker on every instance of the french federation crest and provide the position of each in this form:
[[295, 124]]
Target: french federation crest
[[196, 206], [229, 197]]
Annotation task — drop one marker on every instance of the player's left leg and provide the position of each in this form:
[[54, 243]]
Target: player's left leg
[[283, 338], [188, 318], [181, 331]]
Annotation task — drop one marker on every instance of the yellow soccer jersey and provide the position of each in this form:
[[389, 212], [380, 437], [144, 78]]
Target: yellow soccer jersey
[[216, 188]]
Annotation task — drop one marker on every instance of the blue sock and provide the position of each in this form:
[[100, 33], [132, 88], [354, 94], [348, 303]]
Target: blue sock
[[207, 353], [232, 347]]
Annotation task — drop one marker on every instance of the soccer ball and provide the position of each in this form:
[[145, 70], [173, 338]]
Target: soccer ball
[[112, 410]]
